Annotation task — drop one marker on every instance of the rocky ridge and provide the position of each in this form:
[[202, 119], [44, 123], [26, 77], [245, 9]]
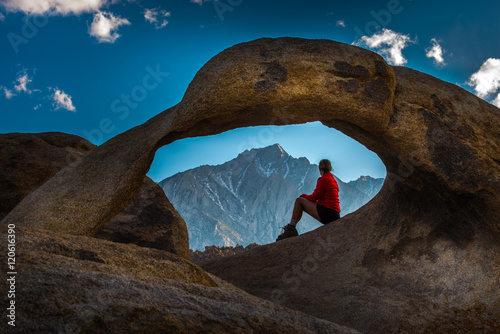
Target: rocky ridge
[[368, 185], [214, 252]]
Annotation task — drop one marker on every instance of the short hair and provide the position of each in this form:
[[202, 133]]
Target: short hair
[[325, 165]]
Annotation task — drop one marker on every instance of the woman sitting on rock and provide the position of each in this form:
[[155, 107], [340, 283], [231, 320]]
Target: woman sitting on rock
[[322, 204]]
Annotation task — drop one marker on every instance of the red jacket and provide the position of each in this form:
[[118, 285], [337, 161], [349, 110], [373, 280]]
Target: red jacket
[[326, 192]]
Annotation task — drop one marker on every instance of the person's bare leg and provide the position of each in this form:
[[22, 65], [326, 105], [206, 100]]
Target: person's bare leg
[[301, 205]]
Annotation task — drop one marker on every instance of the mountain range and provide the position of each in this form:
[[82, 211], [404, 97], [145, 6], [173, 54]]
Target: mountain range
[[247, 200]]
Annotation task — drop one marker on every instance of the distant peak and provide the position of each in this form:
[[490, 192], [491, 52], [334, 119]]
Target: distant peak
[[274, 149], [278, 147], [273, 146], [269, 151], [364, 178]]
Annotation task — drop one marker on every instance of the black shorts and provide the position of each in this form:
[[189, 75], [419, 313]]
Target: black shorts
[[327, 215]]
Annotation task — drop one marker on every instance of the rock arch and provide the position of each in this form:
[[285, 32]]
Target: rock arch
[[435, 220]]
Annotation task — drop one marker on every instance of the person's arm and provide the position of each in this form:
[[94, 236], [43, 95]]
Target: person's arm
[[318, 192]]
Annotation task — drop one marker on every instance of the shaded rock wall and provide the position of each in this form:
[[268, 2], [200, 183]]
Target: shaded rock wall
[[149, 221], [28, 160], [425, 246]]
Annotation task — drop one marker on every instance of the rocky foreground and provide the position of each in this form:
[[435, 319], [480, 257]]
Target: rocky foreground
[[75, 284], [423, 256]]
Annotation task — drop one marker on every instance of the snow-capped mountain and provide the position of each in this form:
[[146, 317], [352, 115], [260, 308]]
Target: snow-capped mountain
[[249, 198]]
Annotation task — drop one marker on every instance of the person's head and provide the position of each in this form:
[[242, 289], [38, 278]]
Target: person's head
[[325, 166]]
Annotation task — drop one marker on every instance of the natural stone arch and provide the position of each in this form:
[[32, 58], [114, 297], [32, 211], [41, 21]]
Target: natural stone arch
[[286, 81], [438, 142], [268, 81]]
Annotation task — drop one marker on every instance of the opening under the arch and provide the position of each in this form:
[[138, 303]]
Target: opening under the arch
[[239, 187]]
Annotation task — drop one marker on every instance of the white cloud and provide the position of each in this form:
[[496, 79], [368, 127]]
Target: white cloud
[[487, 79], [199, 2], [341, 23], [496, 101], [2, 17], [105, 25], [8, 93], [23, 80], [53, 7], [390, 44], [20, 85], [436, 52], [62, 100], [157, 17]]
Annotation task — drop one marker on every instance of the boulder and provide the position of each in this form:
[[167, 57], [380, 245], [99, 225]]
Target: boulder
[[149, 221], [73, 284], [423, 255], [28, 160]]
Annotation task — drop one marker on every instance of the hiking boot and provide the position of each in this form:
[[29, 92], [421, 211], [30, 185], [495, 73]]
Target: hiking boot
[[288, 231]]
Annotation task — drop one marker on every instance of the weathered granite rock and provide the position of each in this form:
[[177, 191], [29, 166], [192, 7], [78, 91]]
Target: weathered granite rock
[[149, 221], [28, 160], [422, 255], [72, 284]]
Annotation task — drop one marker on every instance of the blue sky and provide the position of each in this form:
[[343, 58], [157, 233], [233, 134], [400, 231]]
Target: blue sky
[[96, 68]]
